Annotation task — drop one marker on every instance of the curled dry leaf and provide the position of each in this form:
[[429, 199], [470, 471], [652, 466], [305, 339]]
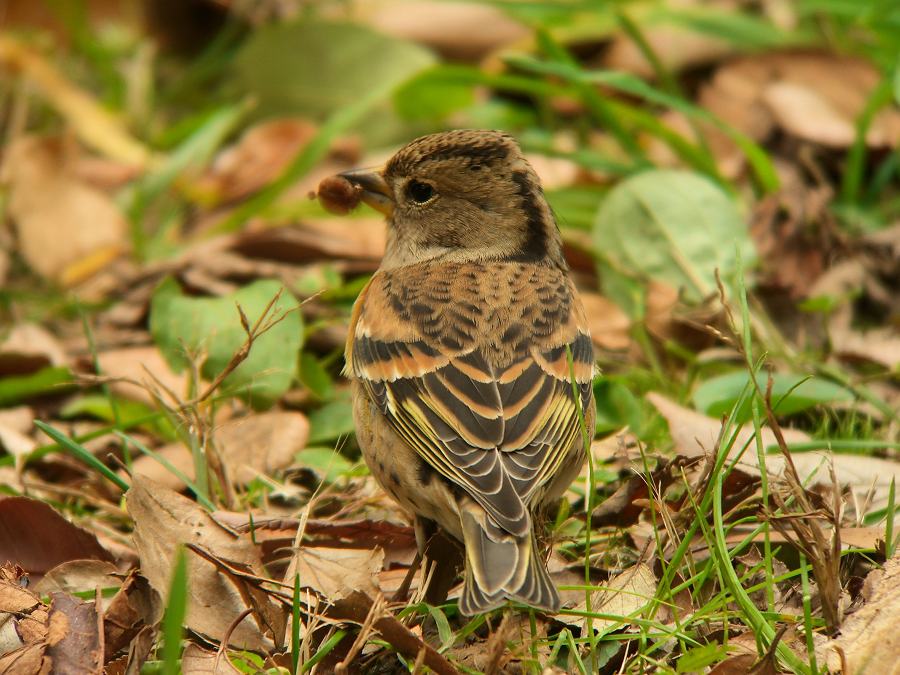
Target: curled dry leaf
[[335, 573], [163, 520], [610, 326], [67, 230], [76, 576]]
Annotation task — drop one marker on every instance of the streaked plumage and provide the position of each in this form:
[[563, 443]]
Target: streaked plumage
[[459, 351]]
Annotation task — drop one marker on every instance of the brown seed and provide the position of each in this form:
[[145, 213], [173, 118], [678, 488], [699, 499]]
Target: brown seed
[[338, 195]]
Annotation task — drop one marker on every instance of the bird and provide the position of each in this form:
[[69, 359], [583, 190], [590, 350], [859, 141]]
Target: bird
[[470, 358]]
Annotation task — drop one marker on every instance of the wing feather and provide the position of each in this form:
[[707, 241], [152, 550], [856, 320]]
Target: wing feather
[[497, 427]]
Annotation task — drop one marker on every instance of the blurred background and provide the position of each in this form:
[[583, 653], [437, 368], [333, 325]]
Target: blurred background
[[724, 174]]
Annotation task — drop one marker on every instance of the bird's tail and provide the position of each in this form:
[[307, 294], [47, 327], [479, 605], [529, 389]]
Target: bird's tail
[[501, 567]]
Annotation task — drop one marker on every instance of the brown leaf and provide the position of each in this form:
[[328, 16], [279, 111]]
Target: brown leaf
[[869, 640], [38, 539], [76, 576], [457, 30], [610, 326], [28, 347], [623, 595], [163, 519], [258, 158], [136, 364], [67, 229], [135, 607], [735, 665], [198, 661], [695, 433], [80, 649], [260, 444], [29, 660], [336, 572]]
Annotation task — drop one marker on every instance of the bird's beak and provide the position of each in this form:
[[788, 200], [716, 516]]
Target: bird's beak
[[375, 190]]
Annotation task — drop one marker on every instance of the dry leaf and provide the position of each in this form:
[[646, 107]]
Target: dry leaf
[[258, 158], [869, 477], [163, 519], [610, 326], [37, 538], [457, 30], [76, 576], [259, 444], [135, 365], [67, 230], [136, 606], [80, 649], [198, 661], [336, 572], [621, 596], [28, 347], [869, 640]]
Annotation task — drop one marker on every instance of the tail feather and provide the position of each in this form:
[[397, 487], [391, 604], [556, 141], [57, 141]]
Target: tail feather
[[501, 566]]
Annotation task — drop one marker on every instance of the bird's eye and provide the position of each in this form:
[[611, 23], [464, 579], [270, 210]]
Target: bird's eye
[[419, 192]]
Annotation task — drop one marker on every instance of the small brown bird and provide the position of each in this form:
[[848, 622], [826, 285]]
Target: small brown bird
[[460, 349]]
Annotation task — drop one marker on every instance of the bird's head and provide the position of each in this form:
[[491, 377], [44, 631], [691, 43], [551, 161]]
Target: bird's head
[[461, 196]]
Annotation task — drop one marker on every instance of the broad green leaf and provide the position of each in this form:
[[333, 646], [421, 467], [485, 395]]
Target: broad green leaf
[[331, 421], [790, 393], [126, 413], [672, 226], [211, 328], [433, 95], [326, 462], [314, 68], [617, 407], [315, 377]]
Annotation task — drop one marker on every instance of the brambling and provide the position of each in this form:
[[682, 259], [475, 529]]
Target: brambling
[[470, 356]]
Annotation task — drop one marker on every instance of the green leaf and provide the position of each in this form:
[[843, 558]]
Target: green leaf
[[314, 68], [433, 95], [127, 413], [51, 380], [672, 226], [211, 327], [314, 376], [790, 393], [331, 421], [326, 462], [617, 407]]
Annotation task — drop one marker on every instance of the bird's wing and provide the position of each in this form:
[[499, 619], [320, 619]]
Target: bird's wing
[[487, 400]]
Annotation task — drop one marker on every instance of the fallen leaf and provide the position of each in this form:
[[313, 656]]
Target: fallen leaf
[[256, 445], [610, 326], [37, 538], [80, 650], [76, 576], [140, 371], [258, 158], [134, 607], [676, 48], [27, 348], [163, 519], [67, 230], [456, 30], [694, 433], [623, 595], [198, 661], [869, 641], [335, 573]]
